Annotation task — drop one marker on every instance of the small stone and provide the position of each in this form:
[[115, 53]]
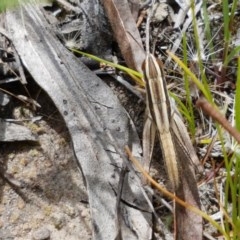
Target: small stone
[[84, 213], [21, 204], [59, 221], [14, 217], [41, 234]]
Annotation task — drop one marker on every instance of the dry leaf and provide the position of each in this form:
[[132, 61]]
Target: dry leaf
[[12, 132], [125, 32], [95, 119], [189, 225]]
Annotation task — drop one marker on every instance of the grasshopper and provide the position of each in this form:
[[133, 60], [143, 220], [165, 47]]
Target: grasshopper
[[163, 118], [159, 115]]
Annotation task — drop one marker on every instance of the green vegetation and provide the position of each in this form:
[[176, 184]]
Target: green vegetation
[[231, 203], [231, 208], [9, 4]]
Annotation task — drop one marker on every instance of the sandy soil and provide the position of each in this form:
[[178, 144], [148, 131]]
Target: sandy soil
[[49, 199]]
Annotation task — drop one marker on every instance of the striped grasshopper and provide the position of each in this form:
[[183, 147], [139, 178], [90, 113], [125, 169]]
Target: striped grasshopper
[[163, 118]]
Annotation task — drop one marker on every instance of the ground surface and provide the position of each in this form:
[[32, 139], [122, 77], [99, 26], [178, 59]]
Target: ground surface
[[50, 199]]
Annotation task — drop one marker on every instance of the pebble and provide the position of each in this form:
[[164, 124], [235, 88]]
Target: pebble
[[59, 221], [41, 234], [84, 213]]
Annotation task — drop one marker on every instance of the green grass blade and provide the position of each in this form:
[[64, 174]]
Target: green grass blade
[[226, 28], [136, 75], [201, 87], [190, 114], [228, 22], [237, 99], [231, 55], [182, 108], [208, 29], [198, 46], [8, 4], [235, 197]]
